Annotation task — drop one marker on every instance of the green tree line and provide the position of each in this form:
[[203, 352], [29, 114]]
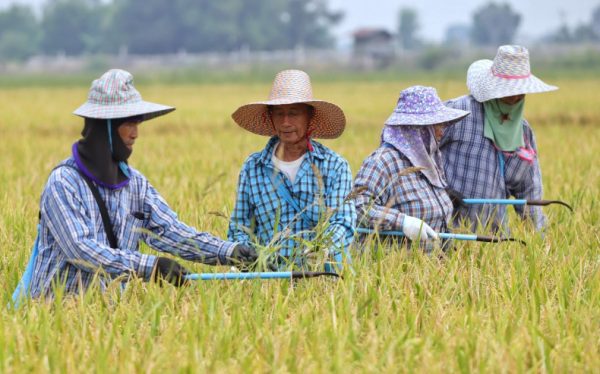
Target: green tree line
[[75, 27]]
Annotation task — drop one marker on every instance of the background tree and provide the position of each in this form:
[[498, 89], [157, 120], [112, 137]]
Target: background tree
[[408, 27], [19, 33], [71, 26], [494, 24], [595, 24], [308, 23]]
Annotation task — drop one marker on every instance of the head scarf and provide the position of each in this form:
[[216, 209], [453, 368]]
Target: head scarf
[[502, 124], [418, 144], [101, 154]]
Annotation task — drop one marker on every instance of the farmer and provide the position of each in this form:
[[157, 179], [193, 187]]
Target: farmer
[[492, 153], [291, 195], [76, 241], [389, 196]]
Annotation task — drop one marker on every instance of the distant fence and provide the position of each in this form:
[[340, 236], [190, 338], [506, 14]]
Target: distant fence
[[429, 58]]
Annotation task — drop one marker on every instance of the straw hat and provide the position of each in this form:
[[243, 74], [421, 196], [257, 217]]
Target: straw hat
[[421, 106], [114, 96], [292, 87], [508, 75]]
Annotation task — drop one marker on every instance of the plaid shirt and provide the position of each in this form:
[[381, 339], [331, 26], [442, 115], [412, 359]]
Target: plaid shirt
[[261, 212], [73, 244], [386, 197], [472, 168]]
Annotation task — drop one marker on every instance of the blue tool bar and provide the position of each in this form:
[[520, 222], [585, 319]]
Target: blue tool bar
[[496, 201], [255, 275], [443, 235]]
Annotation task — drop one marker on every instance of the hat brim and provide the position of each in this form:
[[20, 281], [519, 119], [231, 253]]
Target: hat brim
[[141, 108], [443, 115], [484, 86], [328, 121]]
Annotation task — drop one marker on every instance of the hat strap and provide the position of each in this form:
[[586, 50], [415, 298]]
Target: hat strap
[[122, 165], [308, 143]]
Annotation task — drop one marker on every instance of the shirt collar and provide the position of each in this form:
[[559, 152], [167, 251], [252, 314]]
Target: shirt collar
[[267, 153]]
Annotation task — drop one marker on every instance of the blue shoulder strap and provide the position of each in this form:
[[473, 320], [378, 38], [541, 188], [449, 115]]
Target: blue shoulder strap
[[285, 194], [22, 289]]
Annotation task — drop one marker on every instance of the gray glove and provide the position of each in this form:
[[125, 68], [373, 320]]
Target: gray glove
[[244, 254]]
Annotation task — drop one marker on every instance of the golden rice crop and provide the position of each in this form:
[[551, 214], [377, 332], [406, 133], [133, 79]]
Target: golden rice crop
[[494, 307]]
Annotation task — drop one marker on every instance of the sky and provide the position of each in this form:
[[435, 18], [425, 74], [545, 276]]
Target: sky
[[539, 17]]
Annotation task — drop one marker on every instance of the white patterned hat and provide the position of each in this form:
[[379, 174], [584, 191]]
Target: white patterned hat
[[292, 87], [114, 96], [508, 75]]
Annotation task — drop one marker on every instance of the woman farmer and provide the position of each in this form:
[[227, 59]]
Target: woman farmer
[[492, 153], [291, 195], [389, 198], [95, 208]]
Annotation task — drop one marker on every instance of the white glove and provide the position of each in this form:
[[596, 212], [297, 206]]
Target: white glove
[[415, 228]]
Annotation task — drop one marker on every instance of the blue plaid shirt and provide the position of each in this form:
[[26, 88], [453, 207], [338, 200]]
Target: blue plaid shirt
[[473, 168], [261, 214], [73, 245], [384, 198]]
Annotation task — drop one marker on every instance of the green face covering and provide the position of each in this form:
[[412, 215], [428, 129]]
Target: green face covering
[[502, 124]]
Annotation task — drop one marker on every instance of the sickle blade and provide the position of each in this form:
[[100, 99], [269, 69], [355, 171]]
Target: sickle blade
[[494, 239], [548, 202], [312, 274]]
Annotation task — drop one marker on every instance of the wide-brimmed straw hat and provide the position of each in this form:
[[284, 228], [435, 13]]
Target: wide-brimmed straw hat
[[421, 106], [292, 87], [508, 75], [114, 96]]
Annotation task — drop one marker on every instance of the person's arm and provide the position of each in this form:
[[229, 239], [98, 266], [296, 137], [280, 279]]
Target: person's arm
[[340, 229], [373, 205], [71, 226], [169, 234], [531, 188], [240, 222]]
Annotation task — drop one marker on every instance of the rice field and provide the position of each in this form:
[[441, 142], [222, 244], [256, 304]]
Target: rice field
[[485, 308]]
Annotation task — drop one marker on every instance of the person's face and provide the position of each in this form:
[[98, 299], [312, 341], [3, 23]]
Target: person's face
[[128, 132], [291, 122], [438, 131], [512, 100]]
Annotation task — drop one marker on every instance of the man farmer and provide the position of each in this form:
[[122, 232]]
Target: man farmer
[[292, 194], [77, 240]]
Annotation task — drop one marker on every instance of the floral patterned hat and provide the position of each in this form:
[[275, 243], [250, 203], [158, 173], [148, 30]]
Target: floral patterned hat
[[114, 96], [421, 106], [292, 87]]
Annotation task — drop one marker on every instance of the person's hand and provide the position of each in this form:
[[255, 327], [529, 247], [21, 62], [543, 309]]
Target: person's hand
[[415, 229], [456, 198], [244, 254], [169, 270]]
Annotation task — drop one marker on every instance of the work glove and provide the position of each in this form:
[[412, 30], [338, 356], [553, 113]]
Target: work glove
[[244, 254], [456, 198], [169, 270], [415, 229]]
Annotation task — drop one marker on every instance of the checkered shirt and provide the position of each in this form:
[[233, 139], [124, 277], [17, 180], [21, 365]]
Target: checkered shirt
[[261, 214], [384, 198], [472, 168], [73, 244]]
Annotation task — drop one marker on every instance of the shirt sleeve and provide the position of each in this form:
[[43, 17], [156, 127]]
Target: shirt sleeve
[[531, 188], [240, 223], [373, 199], [169, 234], [70, 225], [340, 229]]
